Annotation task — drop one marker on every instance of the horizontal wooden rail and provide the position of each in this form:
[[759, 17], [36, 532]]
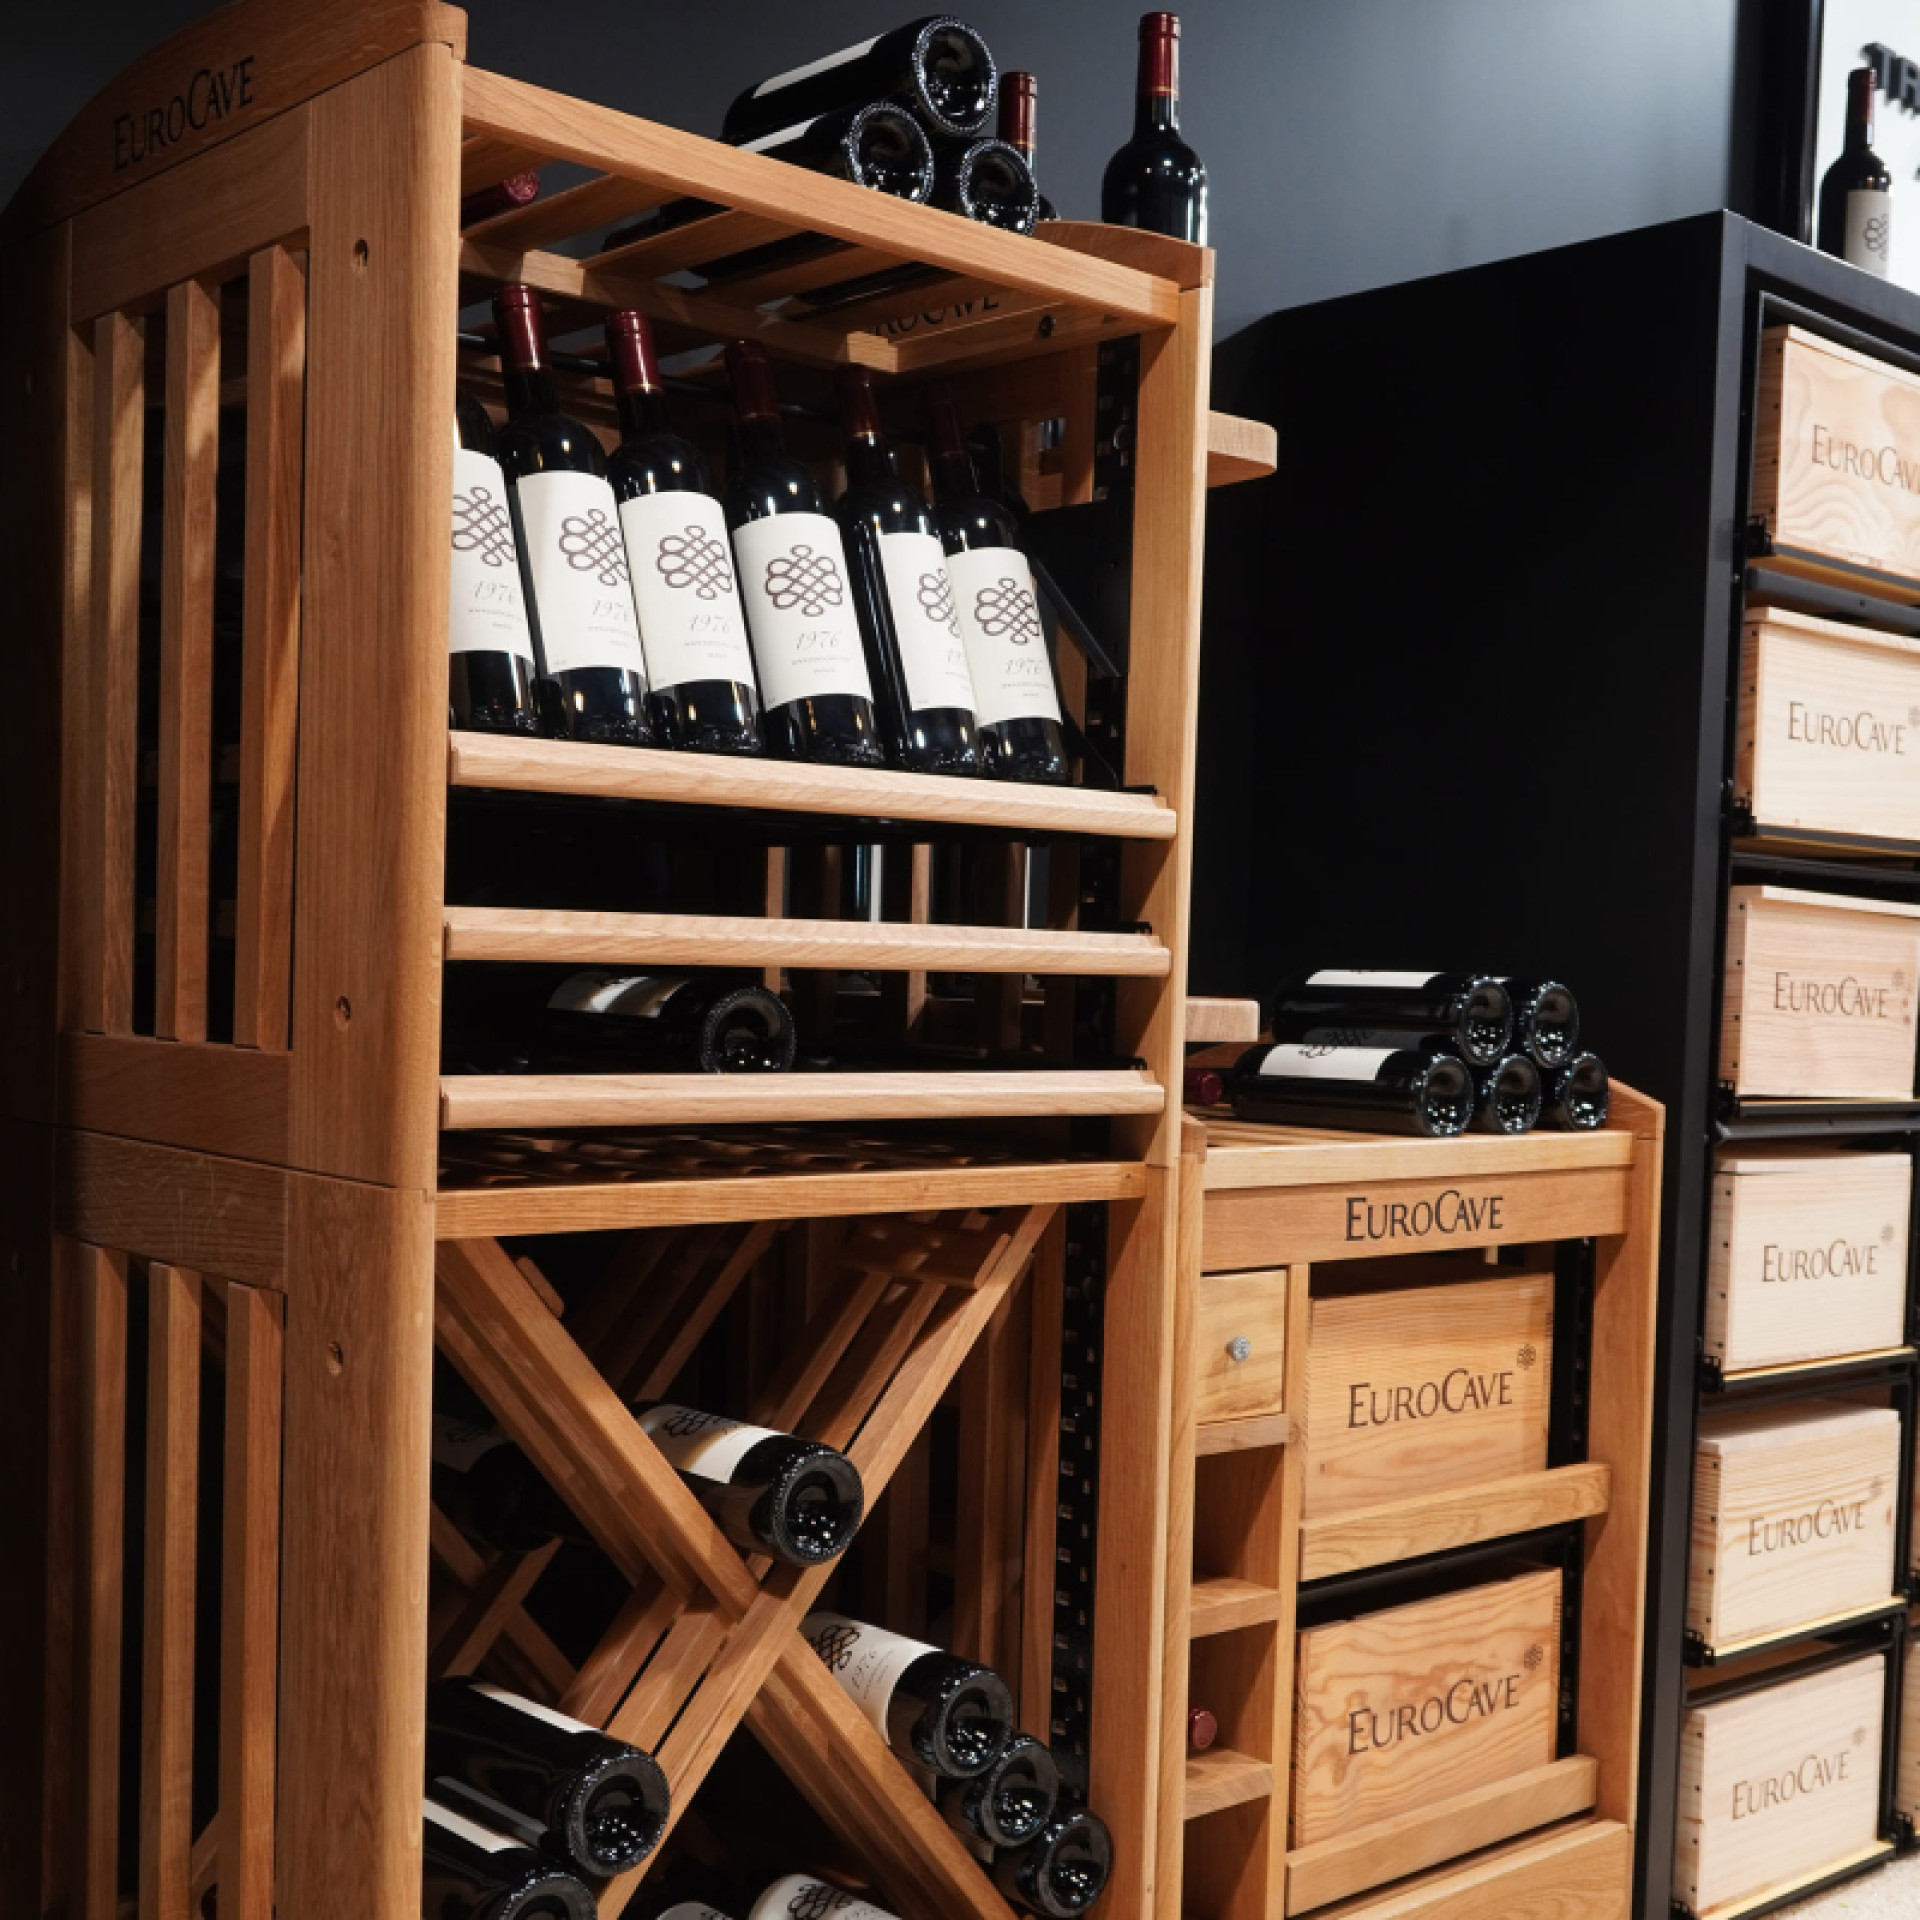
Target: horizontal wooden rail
[[1239, 449], [1220, 1778], [720, 940], [782, 786], [1224, 1604], [679, 1099]]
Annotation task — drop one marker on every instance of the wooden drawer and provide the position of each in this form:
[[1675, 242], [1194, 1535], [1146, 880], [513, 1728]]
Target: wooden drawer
[[1808, 1255], [1793, 1517], [1819, 995], [1836, 453], [1776, 1783], [1421, 1388], [1239, 1344], [1397, 1709], [1829, 734]]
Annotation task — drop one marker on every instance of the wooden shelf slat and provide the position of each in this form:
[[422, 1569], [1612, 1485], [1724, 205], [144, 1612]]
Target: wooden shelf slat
[[781, 786], [1221, 1778], [1239, 449], [1218, 1023], [1237, 1436], [1241, 1153], [1224, 1605], [691, 940]]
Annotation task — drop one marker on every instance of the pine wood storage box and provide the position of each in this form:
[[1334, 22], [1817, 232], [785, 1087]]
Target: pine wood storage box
[[1793, 1517], [1398, 1709], [1829, 735], [1836, 454], [1776, 1783], [1808, 1255], [1416, 1389], [1818, 996]]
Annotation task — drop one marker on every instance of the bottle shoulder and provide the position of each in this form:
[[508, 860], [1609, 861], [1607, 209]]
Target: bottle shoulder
[[775, 485], [657, 463], [976, 522], [886, 507], [548, 443]]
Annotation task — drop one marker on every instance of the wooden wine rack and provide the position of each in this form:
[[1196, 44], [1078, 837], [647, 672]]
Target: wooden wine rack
[[259, 223]]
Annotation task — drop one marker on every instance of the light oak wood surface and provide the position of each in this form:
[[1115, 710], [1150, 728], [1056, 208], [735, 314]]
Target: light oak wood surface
[[1239, 1345]]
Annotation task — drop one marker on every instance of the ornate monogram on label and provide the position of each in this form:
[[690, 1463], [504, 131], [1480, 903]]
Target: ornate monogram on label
[[692, 560], [805, 580], [934, 591], [481, 526], [685, 589], [582, 596], [590, 543], [926, 622], [1006, 644], [485, 611], [792, 577], [1007, 610]]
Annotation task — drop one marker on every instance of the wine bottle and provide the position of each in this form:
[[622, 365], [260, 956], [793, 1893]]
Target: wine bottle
[[490, 649], [504, 196], [1202, 1086], [1856, 194], [1578, 1095], [1016, 698], [898, 571], [804, 1896], [667, 1023], [1156, 180], [469, 1872], [692, 630], [937, 67], [817, 698], [987, 181], [1546, 1020], [1019, 126], [599, 1803], [1367, 1089], [951, 1715], [1203, 1729], [1008, 1803], [567, 524], [1471, 1008], [1062, 1870], [878, 144], [1507, 1095]]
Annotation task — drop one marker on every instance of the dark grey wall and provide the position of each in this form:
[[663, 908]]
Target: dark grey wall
[[1351, 142]]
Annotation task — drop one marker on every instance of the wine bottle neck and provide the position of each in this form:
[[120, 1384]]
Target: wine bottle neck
[[760, 436], [953, 474], [870, 462], [643, 413], [530, 389], [1156, 106], [1860, 94]]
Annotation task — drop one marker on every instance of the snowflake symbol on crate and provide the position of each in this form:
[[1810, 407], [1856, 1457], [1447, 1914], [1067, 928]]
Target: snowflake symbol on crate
[[1859, 1736], [936, 602], [1533, 1659], [590, 543], [1007, 608], [480, 525], [835, 1646], [695, 559], [804, 579], [1886, 1234], [1526, 1357], [1913, 716]]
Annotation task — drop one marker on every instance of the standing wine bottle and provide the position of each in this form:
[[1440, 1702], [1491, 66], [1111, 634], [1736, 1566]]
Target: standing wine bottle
[[937, 67], [803, 1896], [1546, 1020], [490, 649], [1062, 1870], [667, 1023], [1156, 180], [1507, 1096], [898, 569], [1471, 1008], [1366, 1089], [1578, 1095], [568, 527], [951, 1715], [691, 627], [1016, 700], [987, 181], [1008, 1803], [792, 567], [1019, 126], [1856, 195], [598, 1803], [468, 1872]]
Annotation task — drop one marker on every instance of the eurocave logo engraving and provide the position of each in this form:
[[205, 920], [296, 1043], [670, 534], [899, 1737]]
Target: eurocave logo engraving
[[1005, 609], [1847, 997], [1369, 1730], [1829, 1520], [935, 594], [1449, 1212], [936, 317], [1814, 1774], [590, 543], [696, 560], [1461, 1391], [481, 526], [212, 94], [804, 579]]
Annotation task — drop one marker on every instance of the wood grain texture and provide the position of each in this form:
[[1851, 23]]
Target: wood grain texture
[[1906, 1789], [221, 1099], [1240, 1154], [1250, 1433], [1223, 1604], [1215, 1022], [1229, 1309], [1239, 450], [1220, 1778], [1581, 1872]]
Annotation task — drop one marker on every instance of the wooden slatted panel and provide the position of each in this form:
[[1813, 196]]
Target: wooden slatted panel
[[559, 216], [119, 428], [698, 241], [186, 659], [826, 268], [270, 648], [173, 1506]]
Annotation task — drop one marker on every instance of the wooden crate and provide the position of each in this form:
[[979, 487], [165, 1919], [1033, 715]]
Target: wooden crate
[[1416, 1389], [1794, 1511], [1829, 734], [1836, 455], [1777, 1783], [1819, 995], [1415, 1704], [1807, 1257]]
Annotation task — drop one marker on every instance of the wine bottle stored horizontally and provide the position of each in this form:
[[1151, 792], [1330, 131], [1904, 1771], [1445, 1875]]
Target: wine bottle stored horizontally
[[898, 569], [1016, 699], [1471, 1008], [1006, 1804], [600, 1804], [1020, 126], [517, 190], [567, 524], [1156, 180], [937, 67], [816, 697], [1507, 1095], [1856, 193], [987, 181], [803, 1896], [1546, 1020], [877, 144], [1203, 1729], [1367, 1089], [490, 665], [1062, 1870], [1577, 1096], [667, 1023], [692, 629], [950, 1715], [469, 1872]]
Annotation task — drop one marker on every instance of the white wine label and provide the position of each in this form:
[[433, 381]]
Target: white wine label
[[692, 1910], [708, 1444], [867, 1661], [793, 578], [486, 613], [469, 1830], [1363, 979], [521, 1704], [1006, 645], [1869, 236], [691, 626], [932, 652], [578, 565], [633, 996], [1304, 1062], [800, 1897], [825, 64], [461, 1443]]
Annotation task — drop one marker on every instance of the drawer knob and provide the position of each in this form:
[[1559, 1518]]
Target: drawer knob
[[1239, 1348]]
